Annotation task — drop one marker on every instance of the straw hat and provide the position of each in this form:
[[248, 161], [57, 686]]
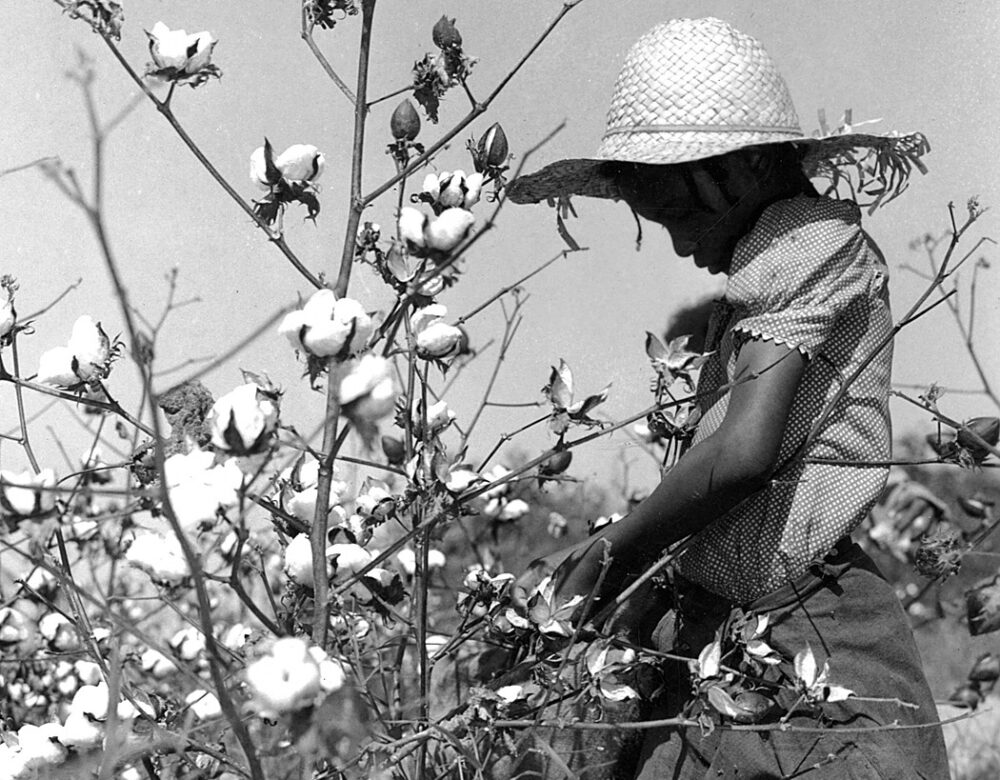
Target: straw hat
[[696, 88]]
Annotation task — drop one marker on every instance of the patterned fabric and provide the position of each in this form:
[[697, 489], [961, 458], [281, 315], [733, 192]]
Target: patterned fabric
[[809, 277], [856, 623]]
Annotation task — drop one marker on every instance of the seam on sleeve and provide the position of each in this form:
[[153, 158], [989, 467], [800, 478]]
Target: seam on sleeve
[[749, 332]]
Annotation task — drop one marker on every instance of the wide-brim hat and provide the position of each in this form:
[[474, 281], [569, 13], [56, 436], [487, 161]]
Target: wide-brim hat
[[697, 88]]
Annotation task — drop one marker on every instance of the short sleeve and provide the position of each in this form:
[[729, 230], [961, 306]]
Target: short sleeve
[[804, 263]]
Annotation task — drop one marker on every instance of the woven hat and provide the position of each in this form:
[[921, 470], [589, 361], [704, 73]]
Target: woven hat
[[697, 88]]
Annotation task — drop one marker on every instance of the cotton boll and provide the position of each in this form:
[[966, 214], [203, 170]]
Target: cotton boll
[[411, 226], [55, 368], [286, 679], [449, 229], [301, 162]]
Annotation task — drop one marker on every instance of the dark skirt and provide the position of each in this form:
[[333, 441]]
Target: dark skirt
[[847, 613]]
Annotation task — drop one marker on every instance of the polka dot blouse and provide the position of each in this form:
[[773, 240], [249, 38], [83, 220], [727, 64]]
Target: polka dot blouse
[[809, 277]]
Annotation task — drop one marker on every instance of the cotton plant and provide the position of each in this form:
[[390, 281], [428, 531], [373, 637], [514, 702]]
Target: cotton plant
[[813, 681], [200, 488], [291, 676], [27, 495], [327, 328], [8, 313], [289, 177], [437, 236], [451, 189], [160, 556], [676, 370], [181, 58], [434, 337], [298, 491], [84, 361], [566, 410], [607, 666], [245, 420], [483, 594], [367, 392]]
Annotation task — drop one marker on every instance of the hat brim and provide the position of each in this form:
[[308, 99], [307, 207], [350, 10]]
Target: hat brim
[[590, 177]]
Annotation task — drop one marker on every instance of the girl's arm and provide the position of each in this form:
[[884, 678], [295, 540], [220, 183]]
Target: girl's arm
[[713, 476]]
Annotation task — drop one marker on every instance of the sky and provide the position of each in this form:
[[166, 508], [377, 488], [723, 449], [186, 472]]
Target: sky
[[918, 66]]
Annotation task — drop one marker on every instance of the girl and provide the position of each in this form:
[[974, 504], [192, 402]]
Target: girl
[[703, 139]]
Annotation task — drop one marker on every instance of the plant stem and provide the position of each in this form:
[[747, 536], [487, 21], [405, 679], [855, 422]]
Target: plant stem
[[331, 439], [307, 36], [357, 155]]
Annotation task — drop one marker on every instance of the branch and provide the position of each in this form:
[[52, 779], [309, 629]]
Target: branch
[[307, 35], [331, 439]]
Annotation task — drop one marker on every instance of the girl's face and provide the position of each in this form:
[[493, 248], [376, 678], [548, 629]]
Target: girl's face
[[706, 206]]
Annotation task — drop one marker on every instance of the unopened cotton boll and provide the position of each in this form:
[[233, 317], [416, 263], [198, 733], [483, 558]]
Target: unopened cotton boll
[[286, 679], [448, 229], [90, 346], [27, 494], [243, 420], [300, 162], [55, 368]]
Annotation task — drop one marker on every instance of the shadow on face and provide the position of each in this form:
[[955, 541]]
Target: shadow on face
[[708, 205]]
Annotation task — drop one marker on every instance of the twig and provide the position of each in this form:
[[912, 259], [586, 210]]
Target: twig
[[308, 25], [54, 301], [215, 659], [511, 325], [512, 286], [242, 344]]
